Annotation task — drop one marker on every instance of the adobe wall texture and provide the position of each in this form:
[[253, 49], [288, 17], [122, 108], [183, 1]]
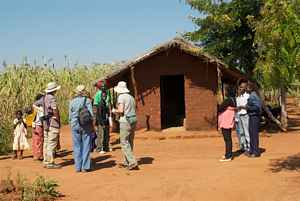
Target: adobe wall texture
[[200, 89]]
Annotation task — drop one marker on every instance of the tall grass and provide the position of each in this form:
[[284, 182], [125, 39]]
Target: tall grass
[[20, 84]]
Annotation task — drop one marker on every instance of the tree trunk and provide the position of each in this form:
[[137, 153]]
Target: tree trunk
[[284, 120], [270, 115]]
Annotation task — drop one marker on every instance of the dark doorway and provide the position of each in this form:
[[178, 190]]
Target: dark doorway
[[172, 101]]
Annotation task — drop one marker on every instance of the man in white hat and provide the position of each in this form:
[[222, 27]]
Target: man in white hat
[[126, 109], [81, 123], [51, 124]]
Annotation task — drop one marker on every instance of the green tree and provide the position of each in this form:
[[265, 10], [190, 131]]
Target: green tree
[[224, 30], [278, 41]]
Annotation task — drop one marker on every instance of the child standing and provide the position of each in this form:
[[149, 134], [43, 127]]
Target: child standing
[[20, 131], [226, 121]]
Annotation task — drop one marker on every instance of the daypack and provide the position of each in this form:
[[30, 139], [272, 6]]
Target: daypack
[[102, 117], [85, 118]]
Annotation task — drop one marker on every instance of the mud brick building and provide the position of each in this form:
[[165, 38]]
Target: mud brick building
[[175, 84]]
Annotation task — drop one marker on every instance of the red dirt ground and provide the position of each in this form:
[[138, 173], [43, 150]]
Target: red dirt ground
[[184, 169]]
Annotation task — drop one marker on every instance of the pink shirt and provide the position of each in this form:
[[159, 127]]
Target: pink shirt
[[226, 118]]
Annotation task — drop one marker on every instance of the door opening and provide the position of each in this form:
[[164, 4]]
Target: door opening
[[172, 101]]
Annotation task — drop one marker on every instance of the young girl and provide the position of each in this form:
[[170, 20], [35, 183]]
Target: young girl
[[226, 121], [20, 142]]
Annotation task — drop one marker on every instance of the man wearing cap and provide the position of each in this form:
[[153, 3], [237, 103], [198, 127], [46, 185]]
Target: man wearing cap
[[126, 109], [81, 133], [102, 104], [51, 124]]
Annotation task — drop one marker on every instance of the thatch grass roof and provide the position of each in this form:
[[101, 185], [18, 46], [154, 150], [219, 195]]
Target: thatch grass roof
[[186, 47]]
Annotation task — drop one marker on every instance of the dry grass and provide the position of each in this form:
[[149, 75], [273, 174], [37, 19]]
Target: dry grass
[[20, 84]]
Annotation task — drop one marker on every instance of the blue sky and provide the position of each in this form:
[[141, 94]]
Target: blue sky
[[88, 30]]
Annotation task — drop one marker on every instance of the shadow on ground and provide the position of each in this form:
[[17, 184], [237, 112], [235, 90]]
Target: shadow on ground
[[97, 163], [145, 160], [63, 153], [290, 163]]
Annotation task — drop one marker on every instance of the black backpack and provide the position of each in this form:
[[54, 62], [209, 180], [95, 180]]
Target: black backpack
[[85, 118]]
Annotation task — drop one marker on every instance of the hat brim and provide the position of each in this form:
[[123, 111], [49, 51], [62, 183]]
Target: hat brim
[[52, 90], [121, 90]]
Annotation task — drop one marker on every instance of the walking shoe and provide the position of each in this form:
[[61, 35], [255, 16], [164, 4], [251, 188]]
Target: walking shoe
[[53, 166], [225, 159], [122, 165], [247, 154], [254, 156], [240, 151], [102, 152], [84, 171], [133, 167]]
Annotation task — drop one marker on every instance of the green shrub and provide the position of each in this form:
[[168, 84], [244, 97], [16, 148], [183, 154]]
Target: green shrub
[[22, 190], [40, 189]]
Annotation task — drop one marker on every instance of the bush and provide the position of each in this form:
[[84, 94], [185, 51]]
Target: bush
[[41, 190], [22, 190]]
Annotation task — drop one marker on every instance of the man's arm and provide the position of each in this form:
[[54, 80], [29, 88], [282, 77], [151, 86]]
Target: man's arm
[[120, 106], [55, 110]]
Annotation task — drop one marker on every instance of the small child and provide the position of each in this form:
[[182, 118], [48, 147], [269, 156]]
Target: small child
[[20, 142]]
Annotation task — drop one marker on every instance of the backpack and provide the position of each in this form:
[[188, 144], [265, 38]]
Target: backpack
[[85, 118]]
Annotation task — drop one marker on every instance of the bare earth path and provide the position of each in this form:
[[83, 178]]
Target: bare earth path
[[178, 169]]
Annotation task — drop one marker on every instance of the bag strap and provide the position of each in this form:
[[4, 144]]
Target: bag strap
[[83, 105], [84, 102], [44, 105]]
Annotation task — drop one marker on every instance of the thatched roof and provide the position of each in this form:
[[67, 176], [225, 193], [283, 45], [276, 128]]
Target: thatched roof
[[184, 46]]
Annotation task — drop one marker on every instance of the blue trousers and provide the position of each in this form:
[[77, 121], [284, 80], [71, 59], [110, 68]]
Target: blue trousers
[[81, 149], [254, 123]]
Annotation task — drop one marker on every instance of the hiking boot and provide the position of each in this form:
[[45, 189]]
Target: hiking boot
[[122, 165], [254, 156], [133, 167], [240, 151], [247, 154], [53, 166]]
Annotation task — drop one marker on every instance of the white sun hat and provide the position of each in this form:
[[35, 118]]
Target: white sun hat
[[51, 87], [80, 89], [121, 88]]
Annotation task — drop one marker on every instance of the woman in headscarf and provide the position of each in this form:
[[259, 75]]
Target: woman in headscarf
[[38, 131]]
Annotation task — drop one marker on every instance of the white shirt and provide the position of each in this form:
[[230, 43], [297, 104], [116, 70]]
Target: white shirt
[[242, 101]]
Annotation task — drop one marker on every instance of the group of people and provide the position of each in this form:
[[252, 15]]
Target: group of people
[[89, 121], [241, 109]]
